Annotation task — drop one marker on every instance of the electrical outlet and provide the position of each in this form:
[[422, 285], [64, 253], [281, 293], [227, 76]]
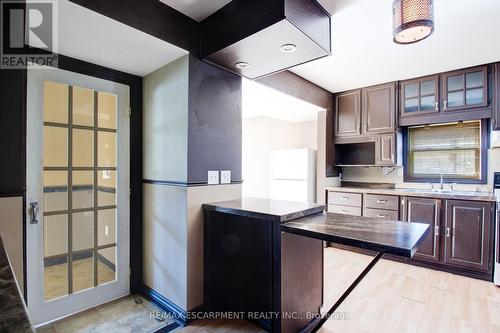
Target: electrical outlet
[[213, 177], [225, 177]]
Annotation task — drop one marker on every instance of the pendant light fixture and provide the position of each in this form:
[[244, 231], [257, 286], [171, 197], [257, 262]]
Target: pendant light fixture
[[413, 20]]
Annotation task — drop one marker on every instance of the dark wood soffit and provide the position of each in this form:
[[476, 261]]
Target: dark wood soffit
[[294, 85], [152, 17]]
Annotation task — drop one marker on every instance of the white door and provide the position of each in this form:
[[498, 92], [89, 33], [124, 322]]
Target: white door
[[77, 192]]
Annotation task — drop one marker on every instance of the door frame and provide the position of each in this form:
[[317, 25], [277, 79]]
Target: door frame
[[135, 84]]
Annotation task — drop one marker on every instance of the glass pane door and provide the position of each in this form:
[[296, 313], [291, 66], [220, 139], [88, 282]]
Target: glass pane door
[[79, 189]]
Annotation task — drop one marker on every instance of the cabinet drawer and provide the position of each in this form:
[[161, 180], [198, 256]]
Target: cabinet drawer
[[345, 199], [356, 211], [382, 201], [382, 214]]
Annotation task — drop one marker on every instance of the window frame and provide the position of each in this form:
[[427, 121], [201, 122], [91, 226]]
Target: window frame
[[483, 153]]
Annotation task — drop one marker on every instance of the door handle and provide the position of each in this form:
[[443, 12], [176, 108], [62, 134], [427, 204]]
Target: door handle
[[33, 212]]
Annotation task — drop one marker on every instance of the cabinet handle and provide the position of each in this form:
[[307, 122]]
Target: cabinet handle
[[381, 215], [381, 201], [344, 198], [436, 231], [392, 158], [448, 232], [366, 128], [436, 106], [445, 105], [344, 211]]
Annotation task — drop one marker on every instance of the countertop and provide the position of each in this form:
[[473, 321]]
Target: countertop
[[459, 195], [13, 313], [386, 236], [265, 209]]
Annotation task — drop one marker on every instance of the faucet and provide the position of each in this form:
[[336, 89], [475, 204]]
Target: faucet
[[441, 177]]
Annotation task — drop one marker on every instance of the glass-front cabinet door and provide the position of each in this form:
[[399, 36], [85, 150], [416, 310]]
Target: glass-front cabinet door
[[465, 89], [420, 96]]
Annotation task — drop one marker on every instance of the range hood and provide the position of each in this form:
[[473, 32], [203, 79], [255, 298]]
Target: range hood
[[254, 38]]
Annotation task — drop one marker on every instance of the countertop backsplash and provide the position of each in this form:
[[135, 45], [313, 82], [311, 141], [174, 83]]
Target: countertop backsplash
[[376, 175]]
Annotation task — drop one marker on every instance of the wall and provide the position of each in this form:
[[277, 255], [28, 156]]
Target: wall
[[262, 135], [376, 175], [165, 122], [192, 124], [11, 231], [214, 121]]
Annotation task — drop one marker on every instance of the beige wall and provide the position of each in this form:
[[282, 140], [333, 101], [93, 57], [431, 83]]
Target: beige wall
[[198, 195], [262, 135], [173, 239], [396, 177], [11, 230], [165, 122]]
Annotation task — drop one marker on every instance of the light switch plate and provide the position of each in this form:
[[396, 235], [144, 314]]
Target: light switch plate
[[213, 177], [225, 177]]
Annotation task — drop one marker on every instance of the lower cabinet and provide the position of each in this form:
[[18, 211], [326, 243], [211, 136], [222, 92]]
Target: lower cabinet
[[424, 210], [468, 234]]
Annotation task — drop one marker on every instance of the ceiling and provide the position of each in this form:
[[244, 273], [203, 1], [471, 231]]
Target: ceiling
[[363, 53], [260, 100], [196, 9], [92, 37]]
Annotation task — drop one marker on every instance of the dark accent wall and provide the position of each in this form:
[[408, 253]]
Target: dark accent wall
[[214, 121], [12, 131], [152, 17]]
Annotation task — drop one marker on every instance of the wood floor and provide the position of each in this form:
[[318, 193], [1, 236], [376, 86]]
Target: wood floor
[[393, 297]]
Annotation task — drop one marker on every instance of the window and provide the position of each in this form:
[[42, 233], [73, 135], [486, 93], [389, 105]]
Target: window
[[454, 150]]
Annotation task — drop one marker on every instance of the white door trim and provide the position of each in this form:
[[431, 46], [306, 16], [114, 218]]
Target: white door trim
[[39, 310]]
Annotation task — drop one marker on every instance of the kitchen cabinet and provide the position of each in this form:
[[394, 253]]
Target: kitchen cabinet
[[419, 96], [425, 210], [366, 112], [465, 89], [385, 150], [468, 234], [348, 113], [378, 109]]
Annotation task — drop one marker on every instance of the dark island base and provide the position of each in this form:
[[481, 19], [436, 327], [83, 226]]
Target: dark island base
[[266, 256]]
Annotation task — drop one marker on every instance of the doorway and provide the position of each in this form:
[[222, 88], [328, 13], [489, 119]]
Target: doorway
[[78, 188]]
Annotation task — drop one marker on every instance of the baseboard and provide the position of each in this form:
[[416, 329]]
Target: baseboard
[[177, 313]]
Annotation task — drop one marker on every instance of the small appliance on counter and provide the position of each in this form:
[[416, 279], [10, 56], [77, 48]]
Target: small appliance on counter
[[496, 187]]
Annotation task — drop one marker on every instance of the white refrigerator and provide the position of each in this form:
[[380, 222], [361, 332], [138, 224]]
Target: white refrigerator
[[293, 175]]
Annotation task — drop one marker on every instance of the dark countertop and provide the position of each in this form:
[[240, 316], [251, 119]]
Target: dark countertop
[[457, 195], [265, 209], [392, 237], [13, 313]]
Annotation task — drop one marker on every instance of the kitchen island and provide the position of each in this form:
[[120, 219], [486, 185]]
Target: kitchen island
[[264, 258]]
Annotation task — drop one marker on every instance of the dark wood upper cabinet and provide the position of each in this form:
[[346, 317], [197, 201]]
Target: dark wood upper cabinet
[[379, 109], [465, 89], [419, 96], [348, 113], [424, 210], [496, 107], [468, 234], [385, 150]]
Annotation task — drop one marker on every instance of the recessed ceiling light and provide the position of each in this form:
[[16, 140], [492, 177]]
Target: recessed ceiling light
[[242, 65], [288, 48]]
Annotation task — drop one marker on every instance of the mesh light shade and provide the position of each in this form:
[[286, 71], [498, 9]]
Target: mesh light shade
[[413, 20]]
